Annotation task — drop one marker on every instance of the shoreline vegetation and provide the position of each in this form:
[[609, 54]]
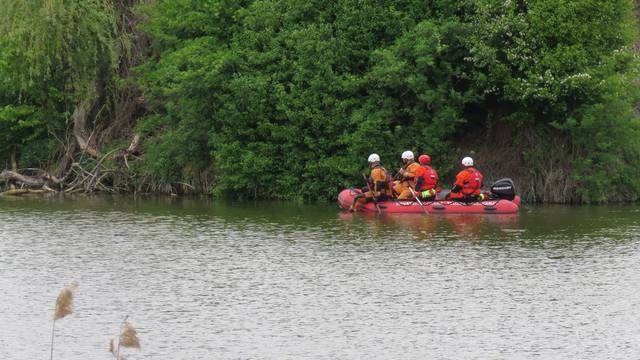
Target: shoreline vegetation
[[284, 100]]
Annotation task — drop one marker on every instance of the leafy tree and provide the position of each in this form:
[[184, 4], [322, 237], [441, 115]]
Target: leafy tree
[[564, 69], [285, 99], [52, 55]]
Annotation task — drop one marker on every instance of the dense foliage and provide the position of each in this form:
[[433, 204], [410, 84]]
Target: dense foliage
[[52, 55], [285, 99]]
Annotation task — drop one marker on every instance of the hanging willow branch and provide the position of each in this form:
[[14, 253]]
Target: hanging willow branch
[[74, 54]]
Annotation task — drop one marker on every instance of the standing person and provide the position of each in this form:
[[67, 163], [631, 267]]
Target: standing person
[[407, 174], [468, 185], [426, 178], [379, 183]]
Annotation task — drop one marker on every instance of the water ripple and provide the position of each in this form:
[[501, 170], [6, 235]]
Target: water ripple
[[291, 282]]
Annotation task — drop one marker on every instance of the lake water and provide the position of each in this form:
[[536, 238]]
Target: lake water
[[205, 280]]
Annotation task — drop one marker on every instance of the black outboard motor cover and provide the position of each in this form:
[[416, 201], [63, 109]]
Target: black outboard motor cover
[[503, 189]]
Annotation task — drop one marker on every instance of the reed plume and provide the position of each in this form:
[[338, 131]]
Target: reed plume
[[128, 338], [64, 302], [64, 307]]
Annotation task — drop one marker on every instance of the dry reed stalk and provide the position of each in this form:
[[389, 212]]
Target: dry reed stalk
[[129, 336], [64, 307], [64, 302]]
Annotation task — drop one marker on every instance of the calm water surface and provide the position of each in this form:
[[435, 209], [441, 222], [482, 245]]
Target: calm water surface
[[204, 280]]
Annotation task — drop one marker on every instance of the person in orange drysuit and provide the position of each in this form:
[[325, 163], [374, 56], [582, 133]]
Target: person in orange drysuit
[[468, 185], [407, 174], [426, 178], [379, 183]]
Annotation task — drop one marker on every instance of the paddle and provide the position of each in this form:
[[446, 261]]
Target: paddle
[[375, 201], [397, 175], [418, 200]]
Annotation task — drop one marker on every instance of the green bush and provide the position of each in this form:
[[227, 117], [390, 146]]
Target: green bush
[[285, 99], [294, 96]]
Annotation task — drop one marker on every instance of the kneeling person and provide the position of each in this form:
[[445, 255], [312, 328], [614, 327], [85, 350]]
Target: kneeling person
[[378, 183], [468, 185], [407, 176], [426, 178]]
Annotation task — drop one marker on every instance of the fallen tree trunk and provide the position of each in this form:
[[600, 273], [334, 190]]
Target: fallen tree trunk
[[17, 192], [93, 175], [38, 183], [8, 176]]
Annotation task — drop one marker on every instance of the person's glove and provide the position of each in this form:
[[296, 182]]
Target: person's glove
[[428, 193]]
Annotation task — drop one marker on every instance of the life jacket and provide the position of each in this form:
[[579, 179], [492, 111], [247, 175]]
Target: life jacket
[[410, 168], [473, 183], [429, 178], [383, 186]]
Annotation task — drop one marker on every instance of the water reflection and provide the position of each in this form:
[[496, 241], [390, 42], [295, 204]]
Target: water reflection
[[466, 226]]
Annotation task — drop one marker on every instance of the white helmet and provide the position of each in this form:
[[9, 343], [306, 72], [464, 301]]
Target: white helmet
[[467, 161], [407, 155], [374, 158]]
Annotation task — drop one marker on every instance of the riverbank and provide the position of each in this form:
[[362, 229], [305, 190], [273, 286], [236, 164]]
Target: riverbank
[[284, 100]]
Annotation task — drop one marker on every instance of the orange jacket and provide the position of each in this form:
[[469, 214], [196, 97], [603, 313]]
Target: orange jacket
[[429, 178], [469, 181], [379, 181], [410, 172]]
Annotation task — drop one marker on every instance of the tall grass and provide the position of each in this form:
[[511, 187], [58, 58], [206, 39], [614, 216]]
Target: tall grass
[[64, 307], [128, 338]]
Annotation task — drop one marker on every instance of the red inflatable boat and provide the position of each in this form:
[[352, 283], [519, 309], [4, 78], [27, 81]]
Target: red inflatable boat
[[497, 206]]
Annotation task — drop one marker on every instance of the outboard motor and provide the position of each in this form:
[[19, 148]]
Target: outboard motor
[[503, 189]]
